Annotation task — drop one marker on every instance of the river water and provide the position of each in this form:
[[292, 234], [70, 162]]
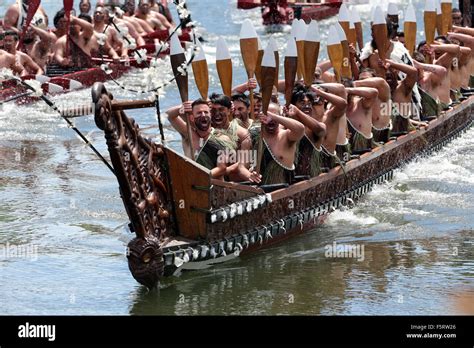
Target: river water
[[59, 204]]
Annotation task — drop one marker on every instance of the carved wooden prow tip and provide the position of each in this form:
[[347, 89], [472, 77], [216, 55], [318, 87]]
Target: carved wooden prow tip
[[140, 167]]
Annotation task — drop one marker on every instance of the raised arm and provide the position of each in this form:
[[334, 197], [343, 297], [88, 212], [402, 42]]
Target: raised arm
[[175, 115], [244, 87], [437, 72], [378, 83], [11, 18], [411, 74], [463, 30], [334, 93], [449, 52], [45, 36], [294, 128], [87, 28], [317, 128], [368, 94]]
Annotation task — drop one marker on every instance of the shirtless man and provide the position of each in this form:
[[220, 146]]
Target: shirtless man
[[38, 44], [144, 13], [466, 36], [10, 43], [207, 143], [8, 61], [242, 110], [382, 108], [158, 6], [402, 107], [101, 18], [308, 110], [334, 118], [82, 46], [12, 21], [445, 56], [280, 138], [221, 111], [360, 107]]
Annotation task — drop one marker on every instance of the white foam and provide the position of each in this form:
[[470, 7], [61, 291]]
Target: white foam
[[410, 14], [430, 6], [312, 34], [343, 14], [333, 37], [268, 59], [291, 50], [248, 31], [175, 45], [222, 51]]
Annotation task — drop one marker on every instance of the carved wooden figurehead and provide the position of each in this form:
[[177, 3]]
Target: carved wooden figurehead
[[139, 166]]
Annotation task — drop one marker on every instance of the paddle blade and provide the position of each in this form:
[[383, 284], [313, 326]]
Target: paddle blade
[[177, 62], [258, 69], [68, 6], [201, 73], [224, 66], [291, 67], [249, 47], [268, 77]]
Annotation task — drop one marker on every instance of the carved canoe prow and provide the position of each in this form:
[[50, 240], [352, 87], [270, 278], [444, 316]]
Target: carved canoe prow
[[144, 187]]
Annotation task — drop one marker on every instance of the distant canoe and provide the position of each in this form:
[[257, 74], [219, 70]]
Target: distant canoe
[[287, 11], [183, 219]]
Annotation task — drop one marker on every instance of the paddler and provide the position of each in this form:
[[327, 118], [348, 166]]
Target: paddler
[[39, 44], [101, 20], [8, 61], [83, 45], [152, 18], [15, 16], [280, 139], [10, 43], [210, 145], [241, 110]]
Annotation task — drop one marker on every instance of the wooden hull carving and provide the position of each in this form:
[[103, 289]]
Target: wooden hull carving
[[141, 170], [224, 220]]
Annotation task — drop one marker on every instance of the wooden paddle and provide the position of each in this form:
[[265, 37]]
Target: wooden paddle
[[291, 67], [430, 23], [178, 60], [379, 28], [268, 79], [346, 71], [249, 51], [392, 12], [335, 52], [201, 73], [344, 19], [33, 6], [358, 28], [311, 52], [224, 66], [68, 6], [258, 69], [274, 46], [439, 18], [300, 36], [410, 29], [446, 17]]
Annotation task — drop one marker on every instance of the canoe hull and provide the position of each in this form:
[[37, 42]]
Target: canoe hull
[[208, 220]]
